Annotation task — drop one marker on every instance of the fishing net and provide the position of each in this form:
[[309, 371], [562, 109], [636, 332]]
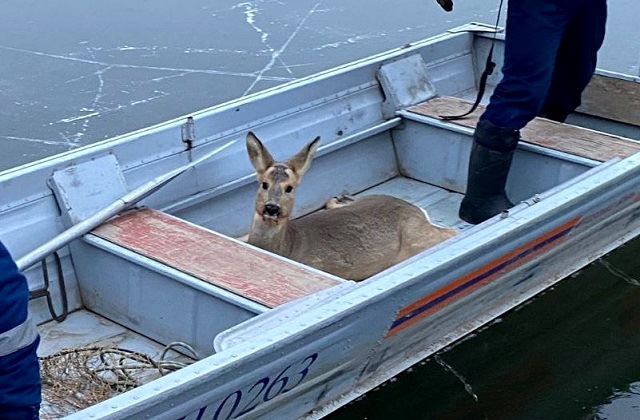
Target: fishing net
[[74, 379]]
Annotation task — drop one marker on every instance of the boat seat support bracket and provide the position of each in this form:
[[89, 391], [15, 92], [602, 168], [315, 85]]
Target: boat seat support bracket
[[188, 133], [46, 293], [84, 189], [404, 82]]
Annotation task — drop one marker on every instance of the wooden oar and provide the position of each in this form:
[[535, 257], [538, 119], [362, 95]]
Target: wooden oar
[[108, 212]]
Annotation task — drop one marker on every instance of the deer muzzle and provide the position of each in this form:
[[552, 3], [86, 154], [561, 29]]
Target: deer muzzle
[[271, 211]]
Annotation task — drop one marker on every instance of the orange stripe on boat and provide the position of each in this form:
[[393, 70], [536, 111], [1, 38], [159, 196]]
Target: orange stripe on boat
[[478, 278]]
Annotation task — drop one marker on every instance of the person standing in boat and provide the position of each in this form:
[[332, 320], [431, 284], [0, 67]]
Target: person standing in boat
[[550, 55], [20, 386]]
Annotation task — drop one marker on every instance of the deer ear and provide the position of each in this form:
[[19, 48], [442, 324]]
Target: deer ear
[[259, 156], [302, 160]]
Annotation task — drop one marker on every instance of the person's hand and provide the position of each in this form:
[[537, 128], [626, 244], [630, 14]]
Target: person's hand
[[447, 5]]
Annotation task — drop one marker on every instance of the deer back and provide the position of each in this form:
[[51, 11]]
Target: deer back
[[361, 239]]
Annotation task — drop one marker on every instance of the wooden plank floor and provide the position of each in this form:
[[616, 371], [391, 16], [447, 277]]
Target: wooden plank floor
[[553, 135], [612, 98], [212, 257]]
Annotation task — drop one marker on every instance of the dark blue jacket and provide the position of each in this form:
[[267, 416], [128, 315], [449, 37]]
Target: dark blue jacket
[[19, 368]]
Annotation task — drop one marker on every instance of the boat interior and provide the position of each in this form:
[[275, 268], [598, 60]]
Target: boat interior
[[138, 272]]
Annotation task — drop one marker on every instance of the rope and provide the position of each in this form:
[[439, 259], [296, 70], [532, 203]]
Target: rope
[[74, 379], [488, 70]]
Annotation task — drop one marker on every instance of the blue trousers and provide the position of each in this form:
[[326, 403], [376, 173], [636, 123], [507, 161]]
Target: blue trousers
[[20, 413], [550, 55]]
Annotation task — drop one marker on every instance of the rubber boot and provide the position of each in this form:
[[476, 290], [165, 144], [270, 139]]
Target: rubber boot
[[489, 163]]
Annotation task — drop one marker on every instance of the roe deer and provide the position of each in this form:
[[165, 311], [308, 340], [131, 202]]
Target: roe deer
[[354, 240]]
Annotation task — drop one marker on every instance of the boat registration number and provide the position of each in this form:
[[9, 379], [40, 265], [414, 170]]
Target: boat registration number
[[243, 401]]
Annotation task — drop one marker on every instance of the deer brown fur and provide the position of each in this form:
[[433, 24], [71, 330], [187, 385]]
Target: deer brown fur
[[354, 240]]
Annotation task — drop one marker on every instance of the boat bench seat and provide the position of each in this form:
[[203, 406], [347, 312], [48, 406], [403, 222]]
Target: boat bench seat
[[212, 257], [542, 132]]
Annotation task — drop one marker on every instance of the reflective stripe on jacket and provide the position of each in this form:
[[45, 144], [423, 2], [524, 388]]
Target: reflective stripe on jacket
[[18, 337]]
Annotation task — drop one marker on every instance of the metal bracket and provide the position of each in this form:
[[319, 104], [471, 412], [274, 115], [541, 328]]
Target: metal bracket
[[189, 133], [44, 291], [85, 188], [476, 27], [405, 82]]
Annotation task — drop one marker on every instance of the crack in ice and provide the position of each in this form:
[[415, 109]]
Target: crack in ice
[[131, 66], [275, 55], [43, 141], [93, 110], [105, 110], [99, 93], [250, 12], [449, 368], [618, 273]]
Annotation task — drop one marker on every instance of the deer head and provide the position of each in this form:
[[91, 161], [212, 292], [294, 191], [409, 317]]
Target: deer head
[[277, 181]]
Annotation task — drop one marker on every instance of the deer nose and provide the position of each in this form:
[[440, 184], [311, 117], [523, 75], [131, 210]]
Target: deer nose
[[272, 209]]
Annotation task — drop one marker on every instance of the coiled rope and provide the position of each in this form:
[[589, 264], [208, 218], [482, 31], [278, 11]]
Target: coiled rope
[[74, 379]]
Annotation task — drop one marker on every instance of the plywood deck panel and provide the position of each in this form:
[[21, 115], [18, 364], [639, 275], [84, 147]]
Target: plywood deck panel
[[562, 137], [612, 98], [212, 257]]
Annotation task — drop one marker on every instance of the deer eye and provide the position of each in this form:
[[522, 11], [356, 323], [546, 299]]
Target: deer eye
[[265, 186], [288, 189]]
